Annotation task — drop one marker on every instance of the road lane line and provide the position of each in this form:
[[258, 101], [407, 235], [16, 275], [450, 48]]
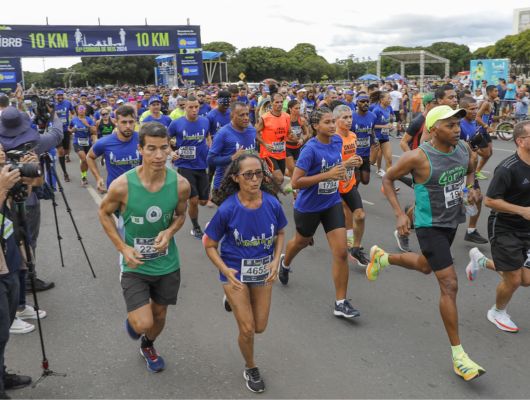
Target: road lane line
[[97, 199], [368, 202]]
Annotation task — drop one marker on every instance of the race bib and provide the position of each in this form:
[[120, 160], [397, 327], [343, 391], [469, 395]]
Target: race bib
[[385, 131], [296, 131], [145, 246], [363, 142], [349, 173], [328, 187], [8, 226], [83, 141], [453, 194], [278, 147], [188, 152], [254, 270]]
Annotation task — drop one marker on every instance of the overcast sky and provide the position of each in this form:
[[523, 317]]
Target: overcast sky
[[337, 28]]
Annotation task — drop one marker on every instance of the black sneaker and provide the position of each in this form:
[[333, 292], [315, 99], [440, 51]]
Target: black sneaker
[[66, 178], [254, 382], [345, 310], [14, 381], [84, 181], [283, 274], [40, 285], [475, 237], [226, 304], [357, 254], [197, 233], [402, 242]]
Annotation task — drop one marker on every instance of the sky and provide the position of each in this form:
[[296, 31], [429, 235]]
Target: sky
[[337, 28]]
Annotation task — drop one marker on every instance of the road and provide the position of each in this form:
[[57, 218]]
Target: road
[[397, 348]]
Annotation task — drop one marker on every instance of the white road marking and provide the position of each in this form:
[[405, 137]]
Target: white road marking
[[368, 202], [94, 195], [507, 151]]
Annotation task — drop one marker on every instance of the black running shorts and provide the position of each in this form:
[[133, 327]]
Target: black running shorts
[[352, 199], [199, 182], [435, 244], [509, 250], [307, 222]]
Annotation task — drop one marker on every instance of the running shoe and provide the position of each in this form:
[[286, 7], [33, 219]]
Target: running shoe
[[356, 254], [67, 158], [283, 274], [288, 188], [197, 233], [226, 304], [155, 363], [19, 327], [253, 380], [473, 266], [475, 237], [380, 173], [130, 331], [29, 312], [84, 181], [345, 310], [527, 262], [66, 178], [15, 381], [480, 176], [466, 368], [374, 266], [402, 241], [502, 320]]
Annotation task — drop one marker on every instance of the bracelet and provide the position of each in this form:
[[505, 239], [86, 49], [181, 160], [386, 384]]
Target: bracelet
[[470, 186]]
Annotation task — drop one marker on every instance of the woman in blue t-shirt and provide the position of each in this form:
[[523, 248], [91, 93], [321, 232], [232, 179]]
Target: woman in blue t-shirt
[[250, 223], [317, 174], [382, 111], [84, 130]]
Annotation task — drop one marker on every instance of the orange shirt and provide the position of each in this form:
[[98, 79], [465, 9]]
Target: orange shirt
[[349, 146], [275, 130], [416, 102]]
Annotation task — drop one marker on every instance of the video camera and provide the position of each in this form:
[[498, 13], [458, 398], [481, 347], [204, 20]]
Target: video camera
[[19, 191], [476, 140], [41, 106]]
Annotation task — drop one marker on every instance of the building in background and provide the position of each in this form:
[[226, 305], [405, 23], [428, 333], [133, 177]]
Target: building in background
[[521, 20]]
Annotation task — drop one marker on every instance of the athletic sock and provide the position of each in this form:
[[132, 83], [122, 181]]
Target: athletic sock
[[482, 261], [457, 350], [349, 233], [146, 342], [471, 230], [83, 174], [195, 222], [339, 302], [62, 162]]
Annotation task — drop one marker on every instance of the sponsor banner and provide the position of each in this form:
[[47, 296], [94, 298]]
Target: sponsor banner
[[10, 74], [489, 70]]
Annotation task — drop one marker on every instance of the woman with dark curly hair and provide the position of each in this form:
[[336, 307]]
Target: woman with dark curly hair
[[250, 222]]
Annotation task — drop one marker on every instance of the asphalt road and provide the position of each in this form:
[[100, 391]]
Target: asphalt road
[[397, 348]]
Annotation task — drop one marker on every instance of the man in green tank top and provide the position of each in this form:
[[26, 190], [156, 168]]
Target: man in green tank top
[[152, 201], [441, 169]]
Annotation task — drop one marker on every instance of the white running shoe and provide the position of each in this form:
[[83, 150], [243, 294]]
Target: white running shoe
[[473, 267], [30, 313], [502, 320], [19, 327], [381, 173]]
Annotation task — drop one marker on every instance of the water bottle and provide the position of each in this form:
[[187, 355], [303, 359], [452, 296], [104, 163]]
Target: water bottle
[[471, 209]]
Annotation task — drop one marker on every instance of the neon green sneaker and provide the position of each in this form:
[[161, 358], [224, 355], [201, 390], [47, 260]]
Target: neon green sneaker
[[479, 175], [466, 368], [377, 262], [288, 188]]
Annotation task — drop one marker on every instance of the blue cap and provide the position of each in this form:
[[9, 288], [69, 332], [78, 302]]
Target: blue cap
[[83, 94], [59, 91], [349, 92], [104, 101], [363, 97], [154, 99], [98, 97]]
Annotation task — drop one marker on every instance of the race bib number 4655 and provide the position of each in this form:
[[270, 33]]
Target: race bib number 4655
[[255, 270]]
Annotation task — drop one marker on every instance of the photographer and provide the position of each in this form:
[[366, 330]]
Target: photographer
[[16, 132]]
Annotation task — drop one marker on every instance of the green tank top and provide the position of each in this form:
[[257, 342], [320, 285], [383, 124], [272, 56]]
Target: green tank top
[[145, 216]]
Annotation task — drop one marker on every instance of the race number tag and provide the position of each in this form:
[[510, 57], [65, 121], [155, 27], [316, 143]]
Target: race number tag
[[255, 270], [328, 187], [278, 147], [297, 131], [8, 226], [363, 142], [145, 246], [349, 173], [83, 141], [453, 194], [385, 131], [188, 152]]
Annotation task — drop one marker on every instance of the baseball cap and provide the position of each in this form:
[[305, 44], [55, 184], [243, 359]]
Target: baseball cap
[[301, 90], [427, 98], [104, 101], [140, 93], [154, 99], [174, 88], [120, 101], [83, 94], [59, 91], [440, 113], [98, 97], [349, 92]]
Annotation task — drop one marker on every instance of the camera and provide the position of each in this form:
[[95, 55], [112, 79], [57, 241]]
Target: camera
[[475, 141], [19, 191], [41, 106]]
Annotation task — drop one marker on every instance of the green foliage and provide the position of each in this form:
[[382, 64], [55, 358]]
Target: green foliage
[[228, 50]]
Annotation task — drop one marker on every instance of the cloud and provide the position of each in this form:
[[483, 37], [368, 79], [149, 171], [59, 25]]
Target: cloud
[[292, 20]]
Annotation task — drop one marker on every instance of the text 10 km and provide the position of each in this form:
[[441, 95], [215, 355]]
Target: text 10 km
[[153, 39], [49, 40]]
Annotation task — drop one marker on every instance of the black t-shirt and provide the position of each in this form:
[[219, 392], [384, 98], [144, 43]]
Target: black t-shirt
[[511, 182], [415, 129]]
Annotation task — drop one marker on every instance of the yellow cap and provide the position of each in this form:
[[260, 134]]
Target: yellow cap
[[442, 112]]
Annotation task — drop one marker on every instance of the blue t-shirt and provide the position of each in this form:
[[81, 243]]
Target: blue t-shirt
[[82, 135], [191, 142], [120, 157], [252, 111], [164, 119], [204, 109], [217, 120], [247, 235], [372, 106], [63, 110], [363, 126], [315, 158], [225, 144], [243, 99], [350, 104], [468, 129], [510, 91], [382, 118]]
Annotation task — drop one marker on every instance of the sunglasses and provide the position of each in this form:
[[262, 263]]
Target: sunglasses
[[104, 114], [249, 175]]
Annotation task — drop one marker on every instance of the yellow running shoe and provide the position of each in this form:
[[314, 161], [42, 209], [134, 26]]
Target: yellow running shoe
[[466, 368], [375, 266]]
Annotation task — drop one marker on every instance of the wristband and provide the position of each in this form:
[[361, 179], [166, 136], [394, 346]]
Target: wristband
[[470, 186]]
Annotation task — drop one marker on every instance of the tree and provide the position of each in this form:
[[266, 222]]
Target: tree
[[458, 54], [229, 50]]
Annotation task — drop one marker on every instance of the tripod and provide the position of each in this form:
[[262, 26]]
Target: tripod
[[50, 171], [21, 218]]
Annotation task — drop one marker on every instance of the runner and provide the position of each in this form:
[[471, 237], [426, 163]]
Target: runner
[[272, 130], [485, 118], [119, 149], [84, 131], [317, 174], [299, 135], [508, 197], [363, 122], [382, 127], [155, 114], [351, 199], [192, 141], [152, 200], [250, 223], [105, 125], [412, 136], [438, 168], [64, 110]]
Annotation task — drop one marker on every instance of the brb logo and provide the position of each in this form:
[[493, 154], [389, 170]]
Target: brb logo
[[10, 42]]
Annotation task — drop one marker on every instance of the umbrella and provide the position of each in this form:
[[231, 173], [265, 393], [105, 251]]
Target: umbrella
[[369, 77], [394, 77]]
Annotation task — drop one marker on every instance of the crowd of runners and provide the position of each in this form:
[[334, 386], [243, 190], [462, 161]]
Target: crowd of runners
[[169, 152]]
